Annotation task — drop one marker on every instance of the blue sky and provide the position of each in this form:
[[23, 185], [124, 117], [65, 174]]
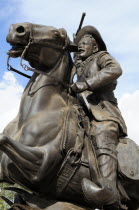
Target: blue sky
[[117, 21]]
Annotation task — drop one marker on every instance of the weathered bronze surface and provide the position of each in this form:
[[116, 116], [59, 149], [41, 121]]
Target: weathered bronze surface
[[62, 144]]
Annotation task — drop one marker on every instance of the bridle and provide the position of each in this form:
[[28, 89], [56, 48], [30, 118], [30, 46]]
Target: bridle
[[27, 68]]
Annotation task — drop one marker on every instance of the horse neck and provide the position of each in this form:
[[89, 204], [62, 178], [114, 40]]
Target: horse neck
[[50, 83], [62, 70]]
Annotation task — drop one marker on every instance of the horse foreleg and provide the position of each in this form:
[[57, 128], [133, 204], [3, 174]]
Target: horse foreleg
[[27, 159]]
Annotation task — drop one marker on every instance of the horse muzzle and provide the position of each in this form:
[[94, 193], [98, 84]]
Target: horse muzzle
[[16, 51]]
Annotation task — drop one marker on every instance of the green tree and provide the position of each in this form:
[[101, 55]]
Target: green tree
[[7, 194]]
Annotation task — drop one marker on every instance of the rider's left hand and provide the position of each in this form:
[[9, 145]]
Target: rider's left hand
[[79, 87]]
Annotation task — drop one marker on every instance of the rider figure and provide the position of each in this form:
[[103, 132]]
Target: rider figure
[[97, 72]]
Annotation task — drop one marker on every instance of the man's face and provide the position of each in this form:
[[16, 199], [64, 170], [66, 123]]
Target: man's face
[[86, 47]]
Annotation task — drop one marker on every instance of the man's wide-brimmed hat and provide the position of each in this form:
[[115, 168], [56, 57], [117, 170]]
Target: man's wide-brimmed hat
[[95, 34]]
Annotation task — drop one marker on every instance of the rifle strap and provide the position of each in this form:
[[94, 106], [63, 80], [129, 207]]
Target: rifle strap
[[66, 172], [92, 160]]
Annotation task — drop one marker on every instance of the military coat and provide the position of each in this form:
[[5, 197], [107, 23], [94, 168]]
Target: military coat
[[100, 71]]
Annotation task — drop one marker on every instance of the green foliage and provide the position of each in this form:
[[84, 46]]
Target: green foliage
[[8, 194]]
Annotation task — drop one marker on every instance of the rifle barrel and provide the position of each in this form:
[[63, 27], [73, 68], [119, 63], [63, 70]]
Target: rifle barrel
[[81, 22]]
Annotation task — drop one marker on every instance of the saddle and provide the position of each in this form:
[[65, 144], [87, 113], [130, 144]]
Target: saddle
[[128, 159]]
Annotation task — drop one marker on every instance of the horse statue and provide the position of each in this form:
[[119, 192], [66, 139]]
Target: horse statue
[[46, 148]]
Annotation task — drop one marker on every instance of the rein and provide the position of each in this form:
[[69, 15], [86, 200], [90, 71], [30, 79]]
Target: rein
[[27, 68], [47, 74]]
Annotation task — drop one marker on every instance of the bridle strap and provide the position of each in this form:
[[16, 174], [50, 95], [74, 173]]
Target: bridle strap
[[27, 68], [10, 68], [48, 75], [52, 45], [33, 41]]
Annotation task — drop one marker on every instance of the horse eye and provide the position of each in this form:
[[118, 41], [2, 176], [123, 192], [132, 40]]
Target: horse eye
[[56, 34]]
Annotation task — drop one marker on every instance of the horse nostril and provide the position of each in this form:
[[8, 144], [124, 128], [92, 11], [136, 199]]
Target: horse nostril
[[20, 29]]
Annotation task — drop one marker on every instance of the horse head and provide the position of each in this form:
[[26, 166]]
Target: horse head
[[40, 45]]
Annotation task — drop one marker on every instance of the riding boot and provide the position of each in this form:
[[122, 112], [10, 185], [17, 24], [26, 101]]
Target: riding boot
[[105, 192]]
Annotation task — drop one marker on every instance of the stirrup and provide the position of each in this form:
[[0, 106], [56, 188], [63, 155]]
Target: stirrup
[[101, 194]]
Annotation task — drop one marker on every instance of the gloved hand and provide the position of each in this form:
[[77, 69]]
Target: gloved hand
[[79, 87]]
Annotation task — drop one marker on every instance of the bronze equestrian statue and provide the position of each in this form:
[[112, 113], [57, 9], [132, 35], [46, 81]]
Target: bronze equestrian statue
[[48, 148]]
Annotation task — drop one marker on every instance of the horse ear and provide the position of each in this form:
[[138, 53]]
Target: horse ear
[[63, 32], [71, 47]]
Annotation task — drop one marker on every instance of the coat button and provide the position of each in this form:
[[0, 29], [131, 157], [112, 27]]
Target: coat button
[[109, 187], [131, 173]]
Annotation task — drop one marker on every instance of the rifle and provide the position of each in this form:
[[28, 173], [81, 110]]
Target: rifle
[[80, 25], [83, 95]]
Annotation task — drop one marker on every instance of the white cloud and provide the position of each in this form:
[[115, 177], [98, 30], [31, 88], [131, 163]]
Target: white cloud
[[10, 94], [129, 106]]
